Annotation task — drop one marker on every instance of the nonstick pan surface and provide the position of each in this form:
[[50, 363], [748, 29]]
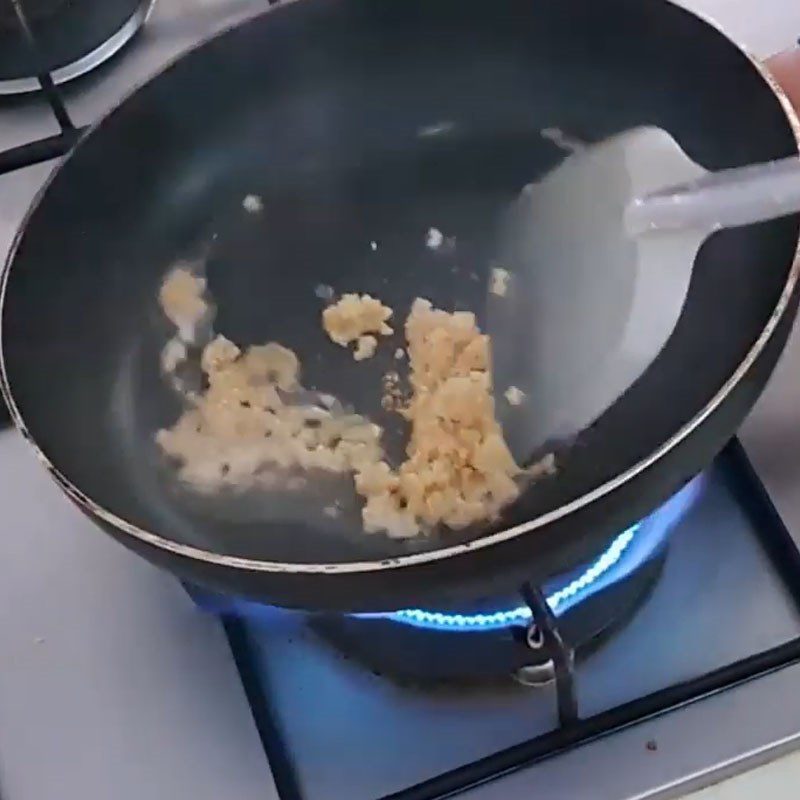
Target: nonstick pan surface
[[361, 122]]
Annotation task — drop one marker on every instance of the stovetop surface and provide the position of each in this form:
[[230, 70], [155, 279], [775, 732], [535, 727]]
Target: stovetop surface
[[112, 685], [348, 732]]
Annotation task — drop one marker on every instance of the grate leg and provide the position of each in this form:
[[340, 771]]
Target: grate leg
[[545, 625]]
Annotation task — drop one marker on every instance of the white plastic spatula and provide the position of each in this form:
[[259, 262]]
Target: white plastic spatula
[[600, 253]]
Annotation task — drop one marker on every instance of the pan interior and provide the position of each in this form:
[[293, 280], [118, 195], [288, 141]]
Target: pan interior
[[360, 122]]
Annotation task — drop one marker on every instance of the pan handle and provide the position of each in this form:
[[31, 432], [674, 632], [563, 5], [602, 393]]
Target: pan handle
[[725, 199]]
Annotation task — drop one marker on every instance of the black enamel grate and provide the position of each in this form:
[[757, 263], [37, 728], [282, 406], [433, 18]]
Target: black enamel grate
[[573, 730], [39, 150]]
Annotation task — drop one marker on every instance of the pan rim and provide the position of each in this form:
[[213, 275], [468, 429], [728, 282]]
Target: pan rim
[[439, 554]]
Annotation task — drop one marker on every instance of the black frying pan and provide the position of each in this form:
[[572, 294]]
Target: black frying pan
[[325, 108]]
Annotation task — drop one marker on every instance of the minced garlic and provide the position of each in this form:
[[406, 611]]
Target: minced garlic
[[365, 347], [499, 281], [458, 469], [355, 316], [182, 298], [244, 431]]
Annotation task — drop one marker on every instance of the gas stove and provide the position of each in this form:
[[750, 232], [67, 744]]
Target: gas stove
[[671, 662], [701, 598], [497, 639]]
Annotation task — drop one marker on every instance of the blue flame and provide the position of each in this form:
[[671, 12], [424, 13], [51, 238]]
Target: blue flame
[[627, 552]]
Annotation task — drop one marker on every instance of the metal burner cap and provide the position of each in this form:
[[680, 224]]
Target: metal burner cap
[[72, 37]]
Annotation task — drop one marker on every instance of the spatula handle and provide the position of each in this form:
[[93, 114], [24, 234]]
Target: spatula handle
[[724, 199]]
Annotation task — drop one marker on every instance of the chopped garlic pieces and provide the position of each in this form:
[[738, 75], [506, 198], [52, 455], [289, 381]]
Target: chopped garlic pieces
[[354, 317], [459, 469], [365, 347], [434, 239], [240, 427], [173, 355], [182, 298], [243, 429], [515, 396], [499, 281], [252, 203]]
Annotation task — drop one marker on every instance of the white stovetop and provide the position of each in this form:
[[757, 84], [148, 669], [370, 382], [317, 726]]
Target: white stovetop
[[111, 684]]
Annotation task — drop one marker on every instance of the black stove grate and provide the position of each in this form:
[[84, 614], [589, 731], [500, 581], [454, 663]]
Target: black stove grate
[[50, 147], [22, 14], [573, 730], [38, 150]]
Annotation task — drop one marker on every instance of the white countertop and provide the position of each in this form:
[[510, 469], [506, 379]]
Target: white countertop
[[775, 781], [113, 686]]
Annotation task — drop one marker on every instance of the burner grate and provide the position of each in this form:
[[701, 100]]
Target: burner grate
[[495, 639], [52, 146], [572, 730], [24, 15]]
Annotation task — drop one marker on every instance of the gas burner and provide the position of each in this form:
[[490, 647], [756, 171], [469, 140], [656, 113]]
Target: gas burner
[[72, 37], [423, 656], [731, 565], [497, 638]]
